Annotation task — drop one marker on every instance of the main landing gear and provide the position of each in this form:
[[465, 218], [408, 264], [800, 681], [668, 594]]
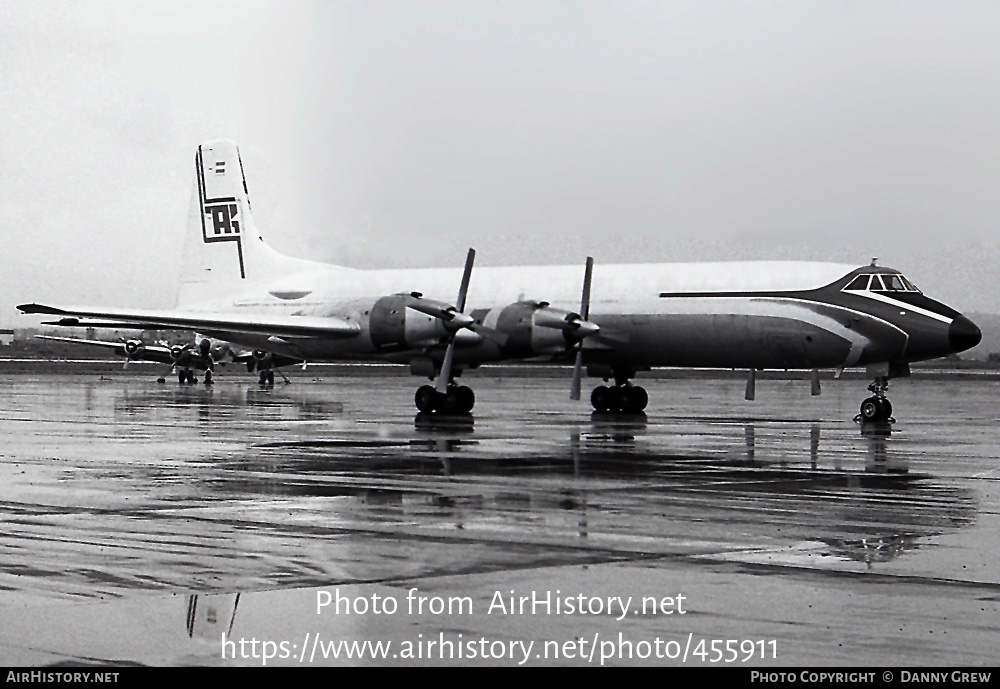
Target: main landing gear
[[457, 399], [266, 376], [621, 398], [877, 408], [186, 375]]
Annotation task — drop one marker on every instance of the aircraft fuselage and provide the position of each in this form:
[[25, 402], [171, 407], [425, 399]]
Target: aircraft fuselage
[[763, 315]]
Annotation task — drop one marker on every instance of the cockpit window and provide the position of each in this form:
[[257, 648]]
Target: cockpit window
[[883, 282], [860, 282], [894, 283]]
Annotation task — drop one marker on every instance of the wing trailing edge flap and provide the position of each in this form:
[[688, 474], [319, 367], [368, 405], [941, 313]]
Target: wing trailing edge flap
[[281, 326]]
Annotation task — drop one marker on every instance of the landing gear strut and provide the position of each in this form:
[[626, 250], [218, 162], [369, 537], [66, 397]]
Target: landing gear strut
[[621, 398], [877, 408], [457, 399]]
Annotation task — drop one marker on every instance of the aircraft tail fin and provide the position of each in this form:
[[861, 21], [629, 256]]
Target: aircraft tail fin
[[223, 251]]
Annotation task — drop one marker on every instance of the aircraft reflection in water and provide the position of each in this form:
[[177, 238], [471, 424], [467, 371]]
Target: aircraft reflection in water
[[858, 514], [229, 403], [739, 315], [831, 492]]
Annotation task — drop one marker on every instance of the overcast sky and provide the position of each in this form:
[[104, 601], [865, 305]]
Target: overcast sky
[[401, 133]]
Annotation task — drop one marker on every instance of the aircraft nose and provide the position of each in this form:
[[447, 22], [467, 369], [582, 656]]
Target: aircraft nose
[[963, 334]]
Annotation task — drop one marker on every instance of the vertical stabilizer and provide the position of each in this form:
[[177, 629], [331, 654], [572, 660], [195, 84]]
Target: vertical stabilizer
[[223, 251]]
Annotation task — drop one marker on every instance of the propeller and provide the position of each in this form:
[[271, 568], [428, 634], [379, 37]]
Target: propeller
[[176, 352], [132, 347], [444, 377], [452, 316], [582, 332]]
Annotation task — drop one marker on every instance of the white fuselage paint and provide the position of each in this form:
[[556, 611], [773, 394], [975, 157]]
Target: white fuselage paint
[[744, 326]]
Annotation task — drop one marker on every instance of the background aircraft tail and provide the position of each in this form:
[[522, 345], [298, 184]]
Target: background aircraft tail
[[223, 251]]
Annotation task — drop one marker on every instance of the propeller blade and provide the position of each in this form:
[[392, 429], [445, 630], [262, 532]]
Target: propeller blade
[[590, 329], [444, 377], [585, 300], [452, 316], [430, 307], [458, 320], [463, 290], [577, 327], [574, 390]]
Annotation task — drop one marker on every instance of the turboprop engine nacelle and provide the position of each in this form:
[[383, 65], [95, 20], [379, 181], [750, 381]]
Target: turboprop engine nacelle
[[534, 328], [402, 321]]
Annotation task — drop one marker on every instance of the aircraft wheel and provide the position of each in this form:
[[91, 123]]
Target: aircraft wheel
[[208, 377], [262, 377], [466, 399], [181, 377], [448, 403], [191, 377], [886, 409], [634, 399], [161, 379], [425, 398], [270, 377], [871, 410], [600, 398], [616, 396]]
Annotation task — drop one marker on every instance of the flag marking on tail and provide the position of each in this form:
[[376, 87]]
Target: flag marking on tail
[[219, 216]]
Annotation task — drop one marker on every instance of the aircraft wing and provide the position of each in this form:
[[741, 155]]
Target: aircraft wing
[[217, 324], [148, 352]]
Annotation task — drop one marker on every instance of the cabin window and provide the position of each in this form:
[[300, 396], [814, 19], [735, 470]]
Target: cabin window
[[876, 285]]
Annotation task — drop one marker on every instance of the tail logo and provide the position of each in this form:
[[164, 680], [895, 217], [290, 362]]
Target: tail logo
[[224, 223], [219, 216]]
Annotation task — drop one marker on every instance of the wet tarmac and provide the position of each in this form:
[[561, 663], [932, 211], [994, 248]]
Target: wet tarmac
[[158, 524]]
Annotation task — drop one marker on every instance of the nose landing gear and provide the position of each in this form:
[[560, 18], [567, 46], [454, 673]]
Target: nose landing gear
[[877, 408]]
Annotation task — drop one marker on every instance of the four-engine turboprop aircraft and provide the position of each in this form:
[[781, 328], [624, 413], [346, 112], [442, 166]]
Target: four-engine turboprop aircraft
[[612, 320]]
